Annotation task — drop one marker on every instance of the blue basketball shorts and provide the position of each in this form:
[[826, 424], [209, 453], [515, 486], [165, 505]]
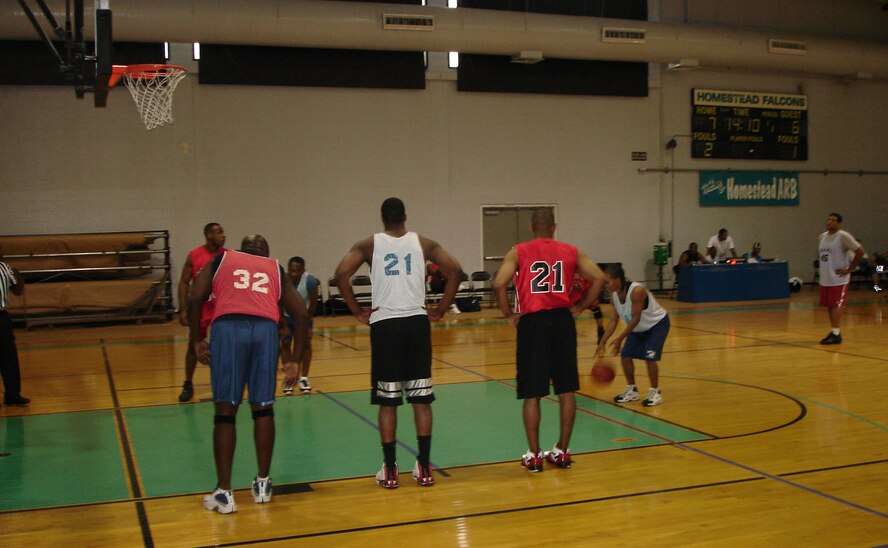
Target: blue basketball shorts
[[244, 352], [647, 345]]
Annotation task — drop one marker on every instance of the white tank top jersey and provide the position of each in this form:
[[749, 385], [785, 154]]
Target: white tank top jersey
[[834, 250], [397, 273], [649, 316]]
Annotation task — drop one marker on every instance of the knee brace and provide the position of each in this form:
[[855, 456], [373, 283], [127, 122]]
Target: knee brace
[[223, 419], [267, 412]]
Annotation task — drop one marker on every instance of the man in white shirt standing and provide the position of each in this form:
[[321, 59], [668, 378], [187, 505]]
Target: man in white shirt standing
[[722, 244], [835, 271]]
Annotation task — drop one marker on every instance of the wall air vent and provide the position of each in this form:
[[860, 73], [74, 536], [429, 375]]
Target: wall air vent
[[401, 21], [622, 35], [786, 47]]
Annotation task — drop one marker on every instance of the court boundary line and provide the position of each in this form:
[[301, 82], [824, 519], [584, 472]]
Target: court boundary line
[[592, 500], [129, 462], [687, 447]]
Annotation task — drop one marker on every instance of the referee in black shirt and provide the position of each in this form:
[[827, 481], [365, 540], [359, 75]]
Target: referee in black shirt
[[9, 363]]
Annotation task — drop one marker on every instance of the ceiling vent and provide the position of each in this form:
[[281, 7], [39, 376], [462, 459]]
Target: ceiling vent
[[401, 21], [622, 35], [786, 47]]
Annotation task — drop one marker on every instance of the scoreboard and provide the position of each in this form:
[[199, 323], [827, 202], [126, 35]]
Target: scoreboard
[[748, 125]]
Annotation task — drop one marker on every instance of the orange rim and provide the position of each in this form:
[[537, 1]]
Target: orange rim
[[144, 72]]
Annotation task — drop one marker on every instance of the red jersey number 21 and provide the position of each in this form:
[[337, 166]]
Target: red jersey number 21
[[540, 282]]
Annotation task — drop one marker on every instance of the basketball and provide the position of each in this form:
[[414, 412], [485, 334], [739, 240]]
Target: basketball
[[603, 373]]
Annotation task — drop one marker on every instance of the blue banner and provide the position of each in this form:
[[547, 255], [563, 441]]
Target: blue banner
[[749, 188]]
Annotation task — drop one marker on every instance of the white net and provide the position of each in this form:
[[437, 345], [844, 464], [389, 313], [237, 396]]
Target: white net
[[152, 90]]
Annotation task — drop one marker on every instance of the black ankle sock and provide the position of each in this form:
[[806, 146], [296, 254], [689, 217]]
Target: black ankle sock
[[388, 453], [425, 449]]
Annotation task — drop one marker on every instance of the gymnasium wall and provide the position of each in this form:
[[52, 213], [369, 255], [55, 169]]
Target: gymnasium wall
[[308, 167]]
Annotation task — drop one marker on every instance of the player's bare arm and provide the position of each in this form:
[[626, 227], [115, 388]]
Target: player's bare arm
[[590, 271], [295, 307], [200, 292], [501, 284], [451, 270], [360, 253], [184, 286]]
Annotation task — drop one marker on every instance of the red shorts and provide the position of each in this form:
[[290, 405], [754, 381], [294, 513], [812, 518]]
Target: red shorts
[[833, 296]]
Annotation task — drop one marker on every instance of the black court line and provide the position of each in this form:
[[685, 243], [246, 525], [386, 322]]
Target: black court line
[[533, 508], [688, 447], [830, 349], [340, 343], [127, 453]]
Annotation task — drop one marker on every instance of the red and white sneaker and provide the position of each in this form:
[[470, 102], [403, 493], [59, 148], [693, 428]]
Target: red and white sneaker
[[558, 457], [422, 475], [387, 478], [533, 463]]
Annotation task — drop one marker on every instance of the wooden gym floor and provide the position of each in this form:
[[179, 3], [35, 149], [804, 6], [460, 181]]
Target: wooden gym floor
[[764, 437]]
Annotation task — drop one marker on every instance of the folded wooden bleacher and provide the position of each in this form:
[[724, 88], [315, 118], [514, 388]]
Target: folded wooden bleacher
[[85, 278]]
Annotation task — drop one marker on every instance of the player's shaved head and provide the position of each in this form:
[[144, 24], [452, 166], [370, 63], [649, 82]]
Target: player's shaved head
[[255, 244], [542, 223]]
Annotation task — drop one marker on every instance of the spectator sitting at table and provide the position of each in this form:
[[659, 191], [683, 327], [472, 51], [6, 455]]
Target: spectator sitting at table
[[710, 257], [754, 256], [722, 244], [689, 256]]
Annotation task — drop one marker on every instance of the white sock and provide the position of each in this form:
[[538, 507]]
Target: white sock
[[836, 332], [261, 479]]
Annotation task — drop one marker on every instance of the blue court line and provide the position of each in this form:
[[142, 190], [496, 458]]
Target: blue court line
[[373, 425], [842, 411]]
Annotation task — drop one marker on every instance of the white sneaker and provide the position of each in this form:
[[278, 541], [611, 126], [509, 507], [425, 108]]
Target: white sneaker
[[422, 475], [261, 490], [221, 501], [627, 395], [387, 478], [654, 398], [304, 386], [455, 309], [877, 288]]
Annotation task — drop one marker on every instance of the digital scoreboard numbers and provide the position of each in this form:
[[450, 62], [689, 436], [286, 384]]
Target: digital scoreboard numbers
[[748, 125]]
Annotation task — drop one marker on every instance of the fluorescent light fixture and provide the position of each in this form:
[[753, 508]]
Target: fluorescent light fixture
[[683, 65], [528, 57], [453, 59], [451, 3], [196, 51], [166, 51]]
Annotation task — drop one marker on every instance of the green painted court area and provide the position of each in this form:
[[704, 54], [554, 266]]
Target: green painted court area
[[75, 458], [55, 460]]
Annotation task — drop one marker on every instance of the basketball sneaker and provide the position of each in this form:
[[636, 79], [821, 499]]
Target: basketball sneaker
[[387, 478], [653, 398], [558, 457], [832, 338], [422, 475], [533, 463], [630, 394], [187, 392], [221, 501], [455, 309], [304, 386], [261, 490]]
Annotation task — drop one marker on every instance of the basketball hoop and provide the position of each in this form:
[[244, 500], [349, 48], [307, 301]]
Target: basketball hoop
[[152, 88]]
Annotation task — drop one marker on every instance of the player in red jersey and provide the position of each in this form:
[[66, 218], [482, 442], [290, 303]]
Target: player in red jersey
[[248, 289], [197, 259], [543, 270], [578, 290]]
